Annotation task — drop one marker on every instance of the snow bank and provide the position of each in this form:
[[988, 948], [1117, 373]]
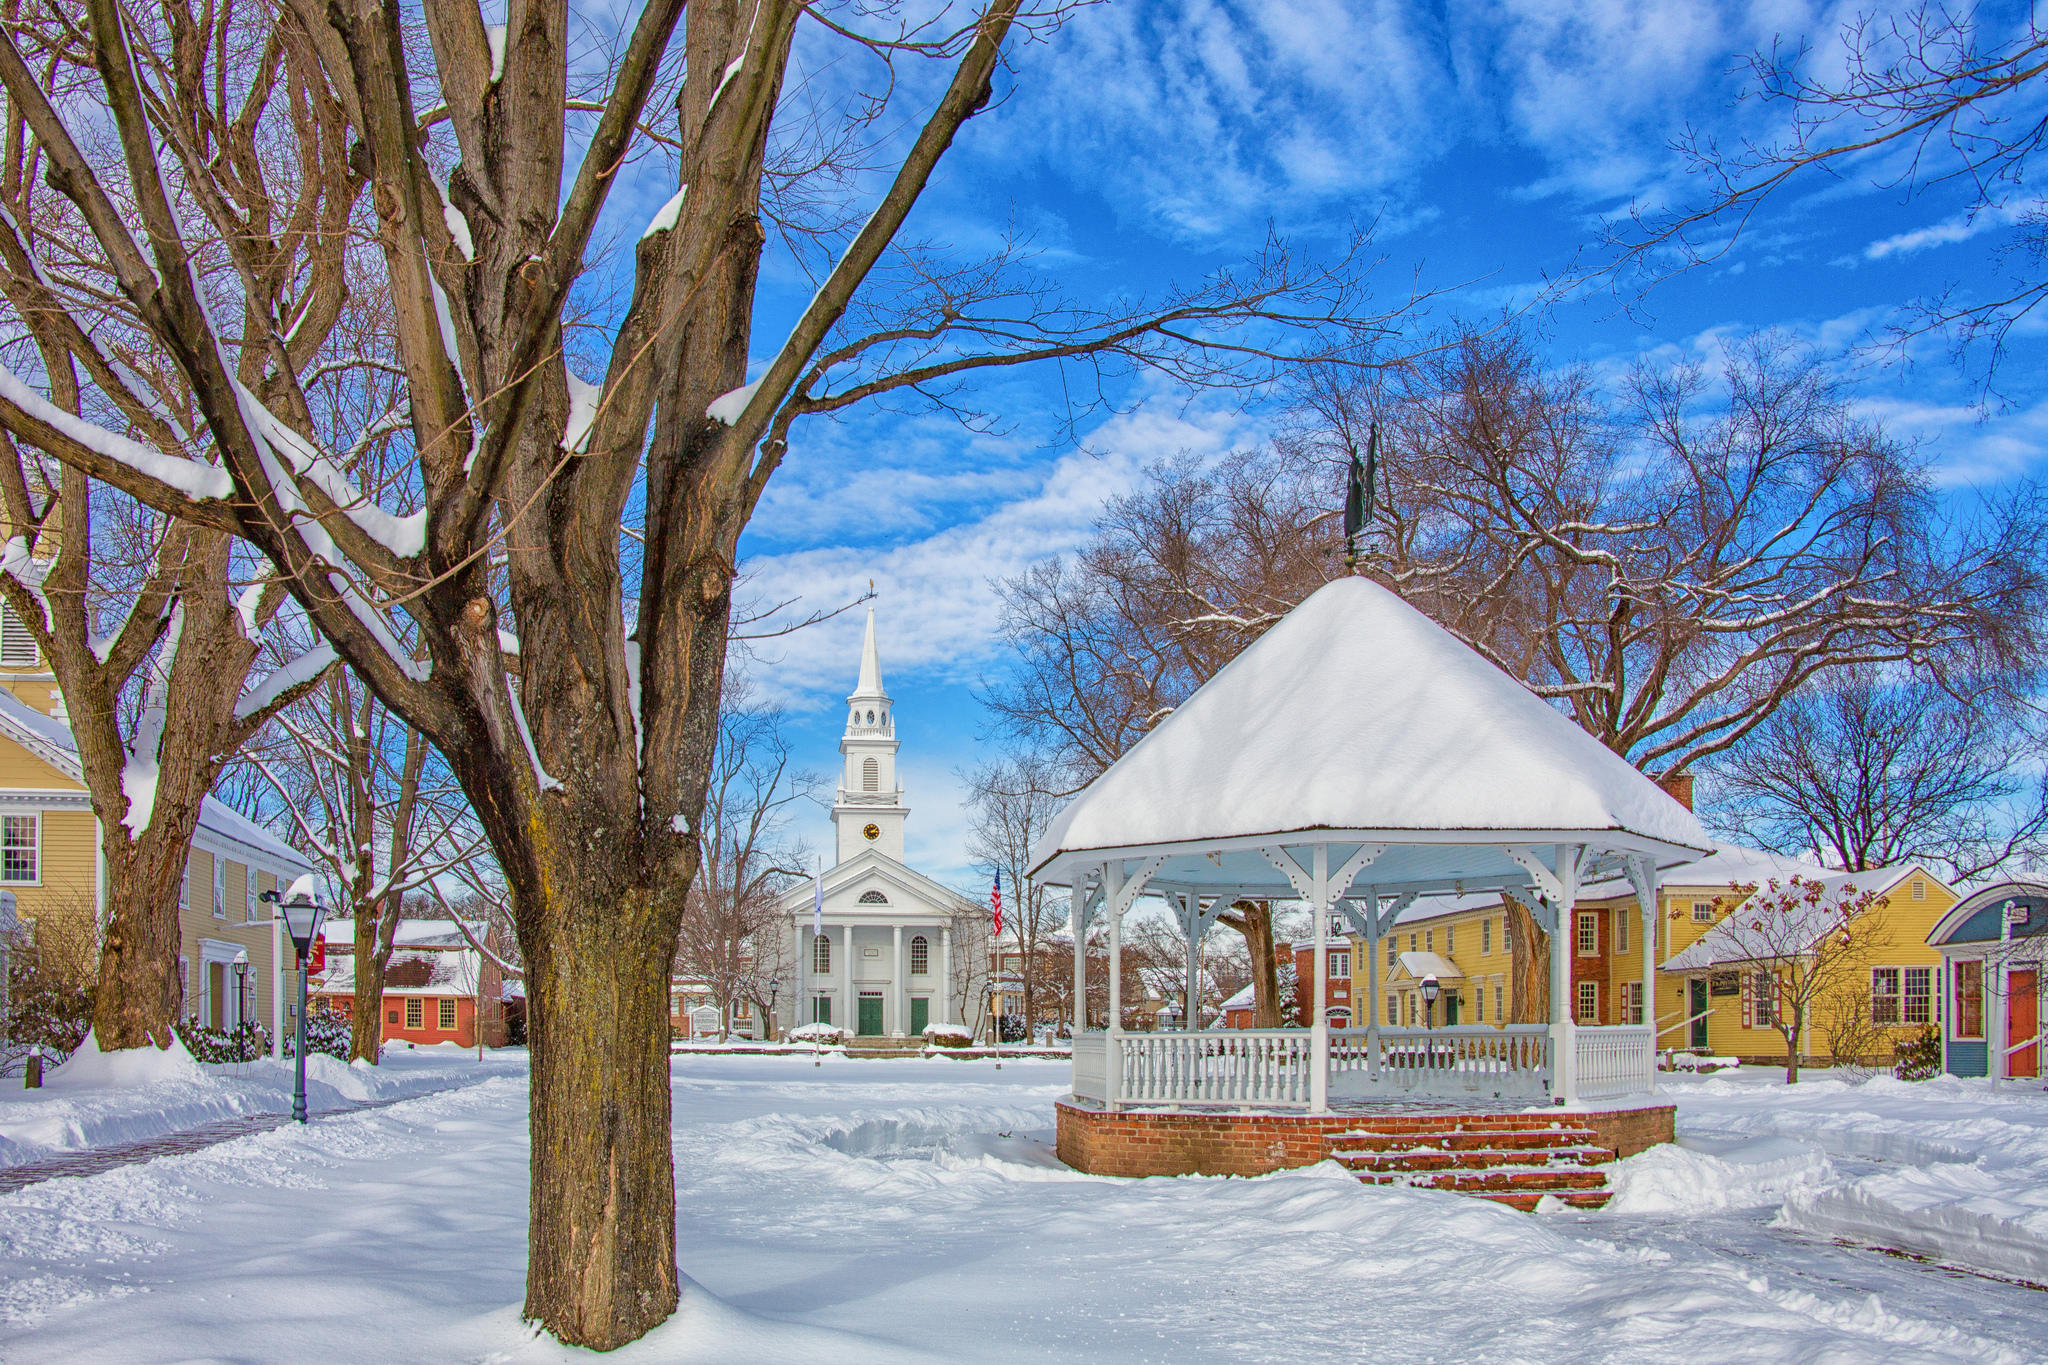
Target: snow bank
[[90, 1068], [1987, 1219], [819, 1033], [948, 1035], [1689, 1178]]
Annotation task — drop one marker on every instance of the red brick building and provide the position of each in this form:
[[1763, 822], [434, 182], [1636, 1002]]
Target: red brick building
[[435, 987]]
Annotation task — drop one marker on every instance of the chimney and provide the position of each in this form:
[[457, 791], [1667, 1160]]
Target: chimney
[[1677, 786]]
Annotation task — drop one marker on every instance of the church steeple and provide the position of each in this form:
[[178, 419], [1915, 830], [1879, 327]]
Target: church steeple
[[869, 811]]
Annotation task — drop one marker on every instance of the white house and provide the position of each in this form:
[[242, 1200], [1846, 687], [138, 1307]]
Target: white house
[[892, 950]]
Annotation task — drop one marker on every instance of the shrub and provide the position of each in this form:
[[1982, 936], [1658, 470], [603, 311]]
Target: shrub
[[243, 1043], [947, 1035], [1919, 1058], [1013, 1028], [51, 979], [325, 1032]]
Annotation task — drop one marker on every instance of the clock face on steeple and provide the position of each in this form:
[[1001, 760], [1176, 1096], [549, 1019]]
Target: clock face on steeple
[[871, 831]]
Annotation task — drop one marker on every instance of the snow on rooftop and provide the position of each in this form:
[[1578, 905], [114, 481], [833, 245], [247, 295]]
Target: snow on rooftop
[[1734, 940], [1357, 712]]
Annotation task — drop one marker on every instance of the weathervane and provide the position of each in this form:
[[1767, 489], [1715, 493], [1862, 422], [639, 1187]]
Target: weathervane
[[1358, 495]]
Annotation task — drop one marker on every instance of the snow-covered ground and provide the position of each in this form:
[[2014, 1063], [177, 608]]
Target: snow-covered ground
[[102, 1099], [868, 1210]]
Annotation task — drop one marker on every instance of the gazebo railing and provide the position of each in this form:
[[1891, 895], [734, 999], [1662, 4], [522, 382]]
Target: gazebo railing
[[1252, 1067], [1478, 1061], [1614, 1060], [1091, 1069]]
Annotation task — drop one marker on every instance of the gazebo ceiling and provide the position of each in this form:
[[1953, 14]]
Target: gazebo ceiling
[[1357, 719]]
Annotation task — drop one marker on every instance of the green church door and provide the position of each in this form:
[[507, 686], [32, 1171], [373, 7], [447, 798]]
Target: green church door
[[920, 1013], [870, 1015]]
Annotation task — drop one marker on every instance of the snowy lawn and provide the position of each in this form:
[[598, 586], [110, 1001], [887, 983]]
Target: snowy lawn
[[903, 1210], [100, 1100]]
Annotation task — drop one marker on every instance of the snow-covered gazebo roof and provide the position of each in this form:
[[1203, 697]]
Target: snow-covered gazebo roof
[[1357, 720]]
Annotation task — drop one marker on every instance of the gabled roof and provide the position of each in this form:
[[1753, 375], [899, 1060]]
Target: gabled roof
[[1732, 940], [50, 740], [872, 863], [1355, 712]]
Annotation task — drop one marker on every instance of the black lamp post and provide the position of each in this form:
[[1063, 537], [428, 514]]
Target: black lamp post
[[772, 1024], [242, 1007], [302, 913], [1431, 989]]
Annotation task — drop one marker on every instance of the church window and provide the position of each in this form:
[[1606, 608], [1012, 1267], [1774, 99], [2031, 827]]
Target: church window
[[920, 956], [870, 775], [871, 718], [821, 954], [873, 898]]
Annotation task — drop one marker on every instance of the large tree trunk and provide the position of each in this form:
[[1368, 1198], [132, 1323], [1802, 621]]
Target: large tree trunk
[[1257, 928], [601, 1266], [1529, 964], [140, 992], [373, 936]]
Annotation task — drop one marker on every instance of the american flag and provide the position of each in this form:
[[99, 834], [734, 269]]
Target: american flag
[[995, 900]]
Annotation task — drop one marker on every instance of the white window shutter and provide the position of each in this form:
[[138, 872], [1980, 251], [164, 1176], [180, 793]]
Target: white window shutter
[[17, 646]]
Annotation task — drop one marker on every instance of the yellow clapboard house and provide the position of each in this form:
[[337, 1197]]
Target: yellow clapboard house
[[232, 949], [1466, 945]]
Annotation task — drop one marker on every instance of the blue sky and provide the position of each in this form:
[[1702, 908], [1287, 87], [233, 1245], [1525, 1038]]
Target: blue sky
[[1152, 140]]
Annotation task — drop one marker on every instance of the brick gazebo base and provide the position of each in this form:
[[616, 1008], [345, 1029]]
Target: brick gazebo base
[[1136, 1142]]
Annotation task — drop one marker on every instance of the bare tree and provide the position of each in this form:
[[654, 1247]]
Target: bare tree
[[1011, 800], [732, 938], [1934, 96], [1796, 944], [364, 794], [588, 771], [1869, 769], [971, 966]]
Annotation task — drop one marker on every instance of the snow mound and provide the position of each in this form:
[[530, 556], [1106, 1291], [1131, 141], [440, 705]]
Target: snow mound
[[126, 1068], [953, 1035], [819, 1033], [1992, 1220], [1689, 1178]]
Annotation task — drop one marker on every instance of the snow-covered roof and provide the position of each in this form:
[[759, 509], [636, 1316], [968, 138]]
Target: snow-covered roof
[[1242, 1000], [411, 933], [414, 972], [1738, 939], [51, 740], [1356, 713]]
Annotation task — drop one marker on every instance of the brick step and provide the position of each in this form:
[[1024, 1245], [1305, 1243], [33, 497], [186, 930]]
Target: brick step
[[1466, 1140], [1469, 1158], [1527, 1201], [1497, 1179], [1452, 1123]]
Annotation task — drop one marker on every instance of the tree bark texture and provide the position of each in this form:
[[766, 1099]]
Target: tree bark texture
[[1529, 964]]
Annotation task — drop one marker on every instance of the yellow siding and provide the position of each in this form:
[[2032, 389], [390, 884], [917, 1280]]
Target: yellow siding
[[20, 768]]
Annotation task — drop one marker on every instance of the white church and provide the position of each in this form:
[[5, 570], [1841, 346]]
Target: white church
[[896, 951]]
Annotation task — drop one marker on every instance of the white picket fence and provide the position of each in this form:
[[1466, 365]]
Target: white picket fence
[[1260, 1068], [1459, 1062], [1614, 1061]]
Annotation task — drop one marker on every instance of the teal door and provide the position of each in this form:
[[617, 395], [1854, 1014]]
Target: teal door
[[1451, 1009], [920, 1013], [821, 1009], [870, 1015], [1696, 1009]]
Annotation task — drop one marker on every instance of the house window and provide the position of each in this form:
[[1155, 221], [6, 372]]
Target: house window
[[220, 887], [1500, 1009], [1763, 1010], [1702, 912], [1393, 1010], [21, 848], [185, 884], [1391, 946], [920, 956], [413, 1013], [1884, 995], [17, 646], [1429, 940], [1589, 934], [1919, 996], [1450, 938], [1479, 1004], [1340, 965], [1589, 1002], [821, 954], [1969, 1016], [1621, 931], [1631, 1002], [1411, 1011], [249, 901], [1485, 937], [1414, 942], [870, 773], [447, 1016]]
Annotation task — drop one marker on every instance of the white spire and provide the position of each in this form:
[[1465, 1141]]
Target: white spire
[[870, 684]]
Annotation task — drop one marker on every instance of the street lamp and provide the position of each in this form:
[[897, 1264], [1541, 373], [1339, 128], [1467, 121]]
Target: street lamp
[[1431, 989], [772, 1024], [242, 1005], [302, 913]]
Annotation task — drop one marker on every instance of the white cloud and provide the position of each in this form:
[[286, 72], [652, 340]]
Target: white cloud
[[1959, 228]]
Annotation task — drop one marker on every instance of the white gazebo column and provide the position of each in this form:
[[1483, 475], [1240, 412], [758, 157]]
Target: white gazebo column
[[897, 1009], [1319, 1040], [1191, 998], [1112, 898], [1372, 986], [945, 991]]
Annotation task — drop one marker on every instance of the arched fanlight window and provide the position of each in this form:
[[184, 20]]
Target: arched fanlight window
[[872, 898], [920, 956], [821, 954], [870, 775]]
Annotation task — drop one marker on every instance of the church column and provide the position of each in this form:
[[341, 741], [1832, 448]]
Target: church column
[[898, 1010], [849, 1006], [943, 997]]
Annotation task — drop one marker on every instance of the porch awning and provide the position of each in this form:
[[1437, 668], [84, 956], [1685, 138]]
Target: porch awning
[[1419, 965]]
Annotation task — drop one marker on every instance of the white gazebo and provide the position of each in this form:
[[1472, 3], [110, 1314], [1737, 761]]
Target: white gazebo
[[1355, 757]]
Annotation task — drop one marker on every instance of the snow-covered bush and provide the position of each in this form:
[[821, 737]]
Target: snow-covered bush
[[825, 1034], [947, 1035], [1011, 1028], [244, 1043], [328, 1033], [51, 977], [1919, 1058]]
